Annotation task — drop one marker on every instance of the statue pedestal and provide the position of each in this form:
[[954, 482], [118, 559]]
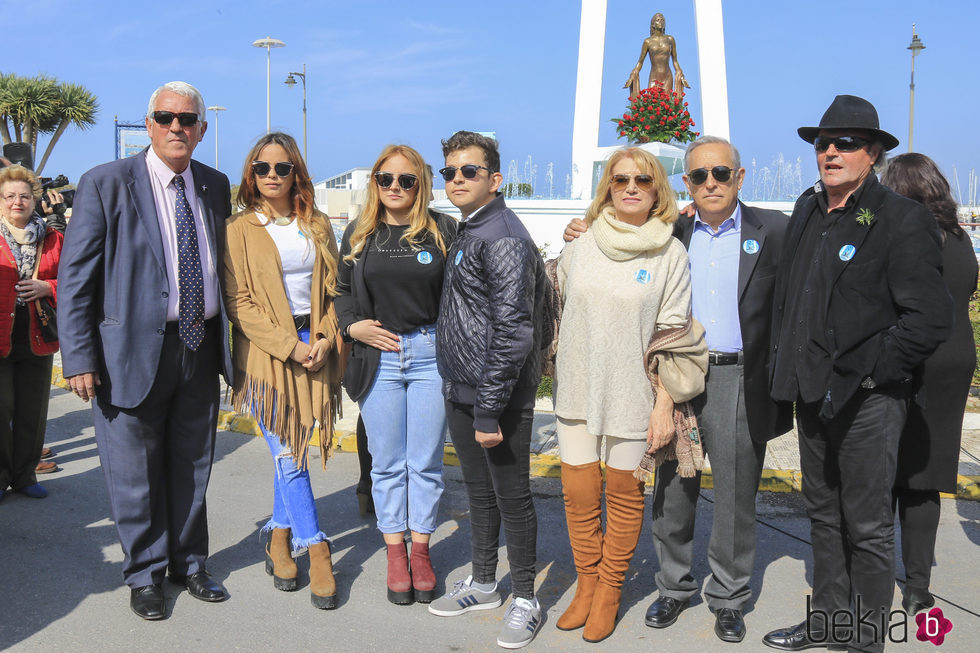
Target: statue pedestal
[[671, 157]]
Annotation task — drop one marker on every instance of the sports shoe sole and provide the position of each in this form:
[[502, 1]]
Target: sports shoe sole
[[469, 608]]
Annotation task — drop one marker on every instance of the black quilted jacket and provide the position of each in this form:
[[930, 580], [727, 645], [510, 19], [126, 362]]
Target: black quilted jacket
[[491, 318]]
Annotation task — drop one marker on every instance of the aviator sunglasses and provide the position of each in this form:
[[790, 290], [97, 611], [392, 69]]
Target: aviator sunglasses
[[842, 143], [386, 179], [469, 171], [164, 118], [620, 182], [261, 168], [700, 175]]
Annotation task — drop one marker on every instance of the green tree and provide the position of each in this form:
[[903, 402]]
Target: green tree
[[517, 190]]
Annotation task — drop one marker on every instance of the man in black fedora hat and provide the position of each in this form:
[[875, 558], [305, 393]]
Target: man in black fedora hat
[[859, 304]]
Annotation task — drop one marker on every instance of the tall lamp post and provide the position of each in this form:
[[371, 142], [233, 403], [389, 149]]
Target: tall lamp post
[[291, 82], [216, 108], [916, 47], [268, 43]]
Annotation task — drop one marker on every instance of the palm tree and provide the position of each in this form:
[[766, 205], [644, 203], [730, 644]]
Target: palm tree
[[76, 106]]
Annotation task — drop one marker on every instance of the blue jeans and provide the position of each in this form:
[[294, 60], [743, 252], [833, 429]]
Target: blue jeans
[[292, 504], [405, 418]]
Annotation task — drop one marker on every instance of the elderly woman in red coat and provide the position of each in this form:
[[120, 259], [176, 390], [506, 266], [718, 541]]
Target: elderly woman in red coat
[[29, 255]]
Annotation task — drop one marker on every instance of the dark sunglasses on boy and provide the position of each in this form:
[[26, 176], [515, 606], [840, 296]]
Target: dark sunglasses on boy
[[261, 168], [386, 179], [842, 143], [469, 171], [620, 182], [700, 175], [164, 118]]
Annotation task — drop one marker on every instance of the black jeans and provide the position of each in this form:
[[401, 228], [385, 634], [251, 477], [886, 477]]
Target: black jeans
[[498, 487]]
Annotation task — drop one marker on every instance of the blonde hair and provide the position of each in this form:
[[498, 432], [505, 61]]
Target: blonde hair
[[18, 172], [310, 221], [664, 207], [420, 223]]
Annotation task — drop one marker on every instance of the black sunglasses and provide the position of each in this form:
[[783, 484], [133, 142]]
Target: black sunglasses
[[469, 171], [700, 175], [261, 168], [842, 143], [620, 182], [386, 179], [164, 118]]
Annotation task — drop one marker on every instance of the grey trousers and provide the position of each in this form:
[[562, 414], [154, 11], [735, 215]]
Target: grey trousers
[[736, 465]]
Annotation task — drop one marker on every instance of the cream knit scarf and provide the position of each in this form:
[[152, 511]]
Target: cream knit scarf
[[622, 241]]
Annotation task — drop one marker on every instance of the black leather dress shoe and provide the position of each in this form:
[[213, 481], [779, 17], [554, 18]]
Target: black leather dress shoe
[[729, 625], [796, 638], [201, 586], [664, 611], [147, 602], [915, 600]]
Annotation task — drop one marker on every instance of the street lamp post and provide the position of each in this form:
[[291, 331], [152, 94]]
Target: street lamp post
[[916, 47], [268, 43], [290, 82], [216, 108]]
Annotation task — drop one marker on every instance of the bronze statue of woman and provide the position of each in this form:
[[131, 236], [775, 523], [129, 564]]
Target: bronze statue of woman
[[662, 49]]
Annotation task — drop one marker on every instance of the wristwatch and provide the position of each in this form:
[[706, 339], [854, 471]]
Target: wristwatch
[[345, 334]]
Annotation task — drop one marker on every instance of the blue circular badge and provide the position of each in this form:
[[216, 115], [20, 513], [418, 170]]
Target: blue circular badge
[[642, 276], [750, 246], [846, 252], [424, 258], [459, 257]]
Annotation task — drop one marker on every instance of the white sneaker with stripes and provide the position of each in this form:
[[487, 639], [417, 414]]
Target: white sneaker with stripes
[[462, 598]]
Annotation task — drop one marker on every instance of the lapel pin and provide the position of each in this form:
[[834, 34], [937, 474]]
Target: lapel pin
[[846, 252], [750, 246]]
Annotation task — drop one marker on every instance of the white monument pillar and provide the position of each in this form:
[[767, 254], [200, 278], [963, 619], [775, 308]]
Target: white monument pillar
[[588, 96], [714, 79]]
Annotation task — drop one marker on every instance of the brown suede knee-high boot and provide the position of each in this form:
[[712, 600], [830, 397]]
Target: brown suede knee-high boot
[[624, 519], [323, 587], [279, 561], [582, 488]]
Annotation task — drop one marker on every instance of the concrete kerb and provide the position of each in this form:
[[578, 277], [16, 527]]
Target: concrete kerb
[[543, 465]]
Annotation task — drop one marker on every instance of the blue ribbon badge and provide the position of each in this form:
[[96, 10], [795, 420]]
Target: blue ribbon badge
[[425, 258], [750, 246], [846, 252], [459, 257], [642, 276]]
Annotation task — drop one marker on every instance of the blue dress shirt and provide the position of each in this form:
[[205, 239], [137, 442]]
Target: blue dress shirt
[[714, 280]]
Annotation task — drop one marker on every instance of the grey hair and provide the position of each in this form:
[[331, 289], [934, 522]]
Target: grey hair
[[180, 88], [707, 140]]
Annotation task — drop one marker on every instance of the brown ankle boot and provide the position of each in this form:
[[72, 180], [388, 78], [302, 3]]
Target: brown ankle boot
[[279, 561], [323, 587], [399, 578], [423, 577], [582, 487], [624, 519]]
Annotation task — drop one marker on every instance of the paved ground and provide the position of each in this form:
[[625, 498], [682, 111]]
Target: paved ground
[[61, 587]]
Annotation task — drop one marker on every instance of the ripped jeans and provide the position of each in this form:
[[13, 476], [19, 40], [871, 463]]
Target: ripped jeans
[[292, 505]]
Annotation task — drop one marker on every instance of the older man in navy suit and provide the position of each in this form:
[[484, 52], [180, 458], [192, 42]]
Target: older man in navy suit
[[143, 334]]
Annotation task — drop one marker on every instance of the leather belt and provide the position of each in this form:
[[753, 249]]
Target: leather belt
[[724, 358], [301, 321]]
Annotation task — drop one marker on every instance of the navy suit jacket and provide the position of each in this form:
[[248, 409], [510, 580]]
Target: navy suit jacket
[[756, 277], [113, 286]]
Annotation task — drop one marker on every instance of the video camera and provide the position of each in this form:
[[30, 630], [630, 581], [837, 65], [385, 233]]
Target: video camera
[[20, 154]]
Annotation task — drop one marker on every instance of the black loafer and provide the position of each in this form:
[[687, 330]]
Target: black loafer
[[915, 600], [664, 611], [201, 586], [796, 638], [729, 625], [147, 602]]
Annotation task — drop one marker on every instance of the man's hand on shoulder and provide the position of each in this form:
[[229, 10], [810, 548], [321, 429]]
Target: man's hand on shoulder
[[83, 385], [575, 228]]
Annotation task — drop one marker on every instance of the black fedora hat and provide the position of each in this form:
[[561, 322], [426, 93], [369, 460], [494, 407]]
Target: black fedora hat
[[850, 112]]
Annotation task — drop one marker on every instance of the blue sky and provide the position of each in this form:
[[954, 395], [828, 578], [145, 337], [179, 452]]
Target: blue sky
[[393, 71]]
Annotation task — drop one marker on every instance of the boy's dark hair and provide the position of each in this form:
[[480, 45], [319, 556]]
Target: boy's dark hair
[[464, 139]]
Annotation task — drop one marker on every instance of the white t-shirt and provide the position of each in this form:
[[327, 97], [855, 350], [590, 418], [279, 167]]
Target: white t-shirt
[[297, 254]]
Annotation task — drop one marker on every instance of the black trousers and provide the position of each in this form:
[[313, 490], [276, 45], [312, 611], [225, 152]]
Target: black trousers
[[848, 466], [498, 487], [157, 462]]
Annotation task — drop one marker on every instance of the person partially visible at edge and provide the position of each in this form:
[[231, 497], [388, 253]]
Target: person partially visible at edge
[[928, 453], [626, 322], [28, 274], [393, 258], [490, 337], [148, 351], [859, 304], [280, 274]]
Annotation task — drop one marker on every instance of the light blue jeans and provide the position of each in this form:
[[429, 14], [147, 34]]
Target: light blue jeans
[[292, 504], [405, 418]]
